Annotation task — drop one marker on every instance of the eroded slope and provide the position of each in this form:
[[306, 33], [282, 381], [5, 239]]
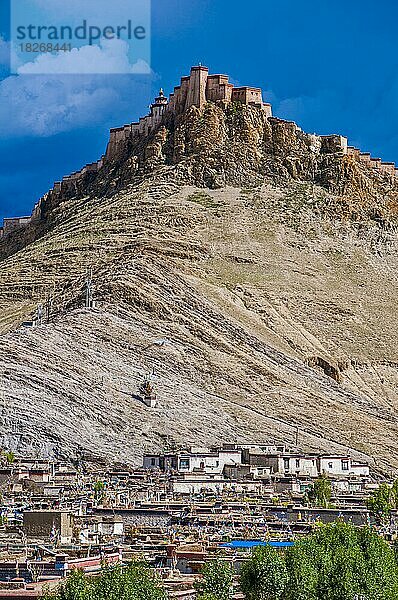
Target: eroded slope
[[258, 310]]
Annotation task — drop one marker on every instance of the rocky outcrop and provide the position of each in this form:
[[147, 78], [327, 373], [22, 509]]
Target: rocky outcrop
[[216, 137]]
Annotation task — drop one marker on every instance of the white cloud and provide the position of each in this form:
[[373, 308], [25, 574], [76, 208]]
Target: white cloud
[[110, 57], [37, 105], [141, 67], [43, 106]]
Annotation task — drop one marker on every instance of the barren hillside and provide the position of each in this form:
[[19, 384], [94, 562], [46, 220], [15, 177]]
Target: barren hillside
[[262, 294]]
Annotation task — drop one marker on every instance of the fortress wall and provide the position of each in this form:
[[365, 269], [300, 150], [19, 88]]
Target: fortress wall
[[388, 167], [334, 143], [228, 92], [218, 88], [36, 213], [247, 95], [181, 93], [171, 102], [267, 108], [149, 122], [135, 127], [157, 113], [110, 149], [177, 99], [72, 177], [119, 135], [90, 168], [142, 125], [283, 132], [352, 151], [365, 157], [291, 124], [239, 95], [375, 163], [13, 224]]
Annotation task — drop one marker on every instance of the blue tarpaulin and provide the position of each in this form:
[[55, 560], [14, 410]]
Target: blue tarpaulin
[[253, 543]]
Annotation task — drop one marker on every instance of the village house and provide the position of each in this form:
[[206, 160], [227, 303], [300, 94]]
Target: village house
[[48, 524], [103, 528], [210, 461], [311, 465]]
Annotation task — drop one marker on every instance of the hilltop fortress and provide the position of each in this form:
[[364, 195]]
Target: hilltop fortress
[[197, 89]]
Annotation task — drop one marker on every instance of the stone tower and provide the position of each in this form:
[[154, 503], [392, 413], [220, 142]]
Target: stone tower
[[158, 107], [197, 87]]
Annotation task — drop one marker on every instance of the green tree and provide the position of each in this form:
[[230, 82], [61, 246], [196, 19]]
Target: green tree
[[302, 571], [99, 489], [216, 582], [380, 503], [264, 576], [75, 587], [141, 583], [10, 457], [134, 582], [321, 491], [340, 561]]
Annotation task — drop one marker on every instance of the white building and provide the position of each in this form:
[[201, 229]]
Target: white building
[[195, 460], [310, 465], [341, 465], [269, 459]]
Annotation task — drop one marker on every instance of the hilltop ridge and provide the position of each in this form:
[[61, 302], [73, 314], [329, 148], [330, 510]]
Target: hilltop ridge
[[162, 138], [250, 264]]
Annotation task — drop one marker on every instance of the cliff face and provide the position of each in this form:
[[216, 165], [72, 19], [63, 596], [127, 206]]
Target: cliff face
[[250, 264], [227, 144]]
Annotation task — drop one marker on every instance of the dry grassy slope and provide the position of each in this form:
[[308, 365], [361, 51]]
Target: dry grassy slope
[[244, 288]]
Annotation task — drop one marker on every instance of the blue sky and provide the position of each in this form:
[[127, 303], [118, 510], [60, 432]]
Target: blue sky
[[330, 66]]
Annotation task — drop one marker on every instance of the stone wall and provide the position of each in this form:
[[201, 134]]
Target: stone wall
[[387, 168], [218, 88], [248, 95]]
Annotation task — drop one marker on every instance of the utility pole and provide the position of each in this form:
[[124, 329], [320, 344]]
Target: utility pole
[[39, 315]]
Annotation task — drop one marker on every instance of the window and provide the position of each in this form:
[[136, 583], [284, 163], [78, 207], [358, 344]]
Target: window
[[153, 462], [330, 465], [286, 464], [184, 464], [344, 465], [297, 463]]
